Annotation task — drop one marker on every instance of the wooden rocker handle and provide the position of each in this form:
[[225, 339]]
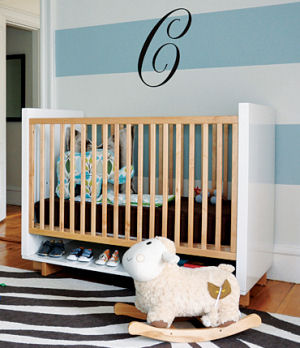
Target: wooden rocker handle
[[129, 310], [193, 335]]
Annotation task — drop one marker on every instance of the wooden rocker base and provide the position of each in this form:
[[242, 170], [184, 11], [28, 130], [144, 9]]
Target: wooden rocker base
[[183, 335]]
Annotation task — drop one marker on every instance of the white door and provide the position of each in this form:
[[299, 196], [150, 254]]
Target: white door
[[2, 118]]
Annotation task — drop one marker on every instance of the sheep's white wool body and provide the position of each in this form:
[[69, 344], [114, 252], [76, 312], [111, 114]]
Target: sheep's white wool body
[[165, 291]]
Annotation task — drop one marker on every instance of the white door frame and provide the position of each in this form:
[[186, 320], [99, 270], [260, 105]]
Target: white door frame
[[2, 117], [24, 20]]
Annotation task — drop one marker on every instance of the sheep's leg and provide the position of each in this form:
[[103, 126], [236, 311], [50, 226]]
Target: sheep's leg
[[161, 316], [223, 313], [212, 318], [229, 311]]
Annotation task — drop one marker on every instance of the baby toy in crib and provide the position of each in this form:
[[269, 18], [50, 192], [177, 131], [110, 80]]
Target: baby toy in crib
[[165, 291], [198, 196]]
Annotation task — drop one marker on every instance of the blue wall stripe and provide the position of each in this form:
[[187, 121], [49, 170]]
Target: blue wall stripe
[[287, 154], [253, 36]]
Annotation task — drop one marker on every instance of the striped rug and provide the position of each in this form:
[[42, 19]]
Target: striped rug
[[65, 312]]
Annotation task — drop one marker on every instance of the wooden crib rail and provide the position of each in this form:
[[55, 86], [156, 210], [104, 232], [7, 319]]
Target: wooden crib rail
[[172, 145]]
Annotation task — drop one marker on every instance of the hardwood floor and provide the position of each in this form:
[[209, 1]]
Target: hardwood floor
[[275, 296]]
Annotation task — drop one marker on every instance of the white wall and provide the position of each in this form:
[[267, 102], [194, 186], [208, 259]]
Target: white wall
[[30, 6], [213, 90]]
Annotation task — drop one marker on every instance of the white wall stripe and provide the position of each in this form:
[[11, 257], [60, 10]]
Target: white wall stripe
[[260, 84], [151, 9]]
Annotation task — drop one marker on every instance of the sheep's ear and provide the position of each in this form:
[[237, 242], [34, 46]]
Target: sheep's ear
[[170, 258]]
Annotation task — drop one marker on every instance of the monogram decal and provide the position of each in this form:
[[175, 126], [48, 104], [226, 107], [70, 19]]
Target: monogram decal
[[161, 48]]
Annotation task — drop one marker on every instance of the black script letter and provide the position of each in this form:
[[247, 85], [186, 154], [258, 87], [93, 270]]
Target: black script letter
[[149, 39]]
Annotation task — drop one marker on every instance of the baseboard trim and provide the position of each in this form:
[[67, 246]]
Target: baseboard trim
[[13, 195], [286, 249], [285, 266]]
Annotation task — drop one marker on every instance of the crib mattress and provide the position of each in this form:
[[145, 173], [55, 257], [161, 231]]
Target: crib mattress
[[211, 215]]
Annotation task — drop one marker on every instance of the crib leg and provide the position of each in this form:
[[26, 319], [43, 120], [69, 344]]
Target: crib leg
[[46, 268], [263, 280], [245, 300]]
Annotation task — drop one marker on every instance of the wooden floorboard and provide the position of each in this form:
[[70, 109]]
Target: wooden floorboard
[[10, 255], [291, 303], [275, 296], [271, 296], [10, 228]]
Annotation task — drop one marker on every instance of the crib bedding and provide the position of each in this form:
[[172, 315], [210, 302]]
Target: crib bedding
[[158, 201], [88, 172], [211, 217]]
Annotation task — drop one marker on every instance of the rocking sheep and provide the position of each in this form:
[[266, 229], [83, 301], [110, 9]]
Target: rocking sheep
[[165, 291]]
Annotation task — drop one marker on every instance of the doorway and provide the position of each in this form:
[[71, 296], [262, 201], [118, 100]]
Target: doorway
[[26, 16], [19, 43]]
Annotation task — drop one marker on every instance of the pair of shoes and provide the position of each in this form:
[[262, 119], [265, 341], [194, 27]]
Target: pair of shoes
[[52, 248], [81, 254], [75, 254], [106, 259]]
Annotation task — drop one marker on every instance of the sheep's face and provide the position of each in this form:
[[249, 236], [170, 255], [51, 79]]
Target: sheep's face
[[144, 261]]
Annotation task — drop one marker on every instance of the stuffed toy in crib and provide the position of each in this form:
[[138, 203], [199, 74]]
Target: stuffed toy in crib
[[165, 291]]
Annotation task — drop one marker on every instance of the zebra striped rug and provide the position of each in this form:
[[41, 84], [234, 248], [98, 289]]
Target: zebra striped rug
[[63, 312]]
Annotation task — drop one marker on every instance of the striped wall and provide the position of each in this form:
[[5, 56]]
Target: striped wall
[[237, 51], [256, 36]]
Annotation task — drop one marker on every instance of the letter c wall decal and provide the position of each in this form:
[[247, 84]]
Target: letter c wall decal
[[169, 44]]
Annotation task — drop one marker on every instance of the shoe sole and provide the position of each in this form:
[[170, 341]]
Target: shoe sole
[[85, 260], [100, 263], [57, 255], [112, 265]]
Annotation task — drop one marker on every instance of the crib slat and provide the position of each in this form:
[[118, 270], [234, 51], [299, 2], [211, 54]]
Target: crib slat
[[31, 174], [116, 180], [171, 156], [214, 155], [182, 161], [42, 176], [160, 158], [225, 169], [104, 176], [165, 179], [191, 186], [234, 188], [140, 182], [52, 173], [128, 181], [149, 172], [178, 183], [204, 184], [72, 174], [152, 179], [94, 180], [219, 187], [82, 193], [62, 179]]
